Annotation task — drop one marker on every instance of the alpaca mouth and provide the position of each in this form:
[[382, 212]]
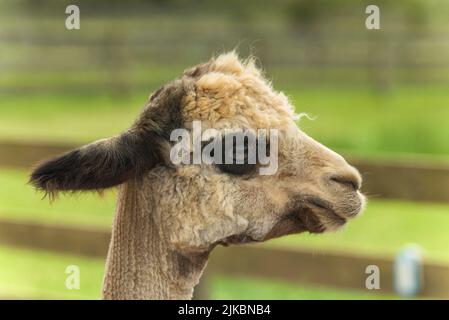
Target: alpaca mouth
[[237, 239], [320, 216], [332, 216]]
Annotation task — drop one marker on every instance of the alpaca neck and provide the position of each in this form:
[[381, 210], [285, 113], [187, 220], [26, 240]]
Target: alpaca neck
[[140, 264]]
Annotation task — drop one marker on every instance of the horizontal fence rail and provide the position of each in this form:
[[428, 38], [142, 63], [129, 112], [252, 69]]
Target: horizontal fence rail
[[295, 266], [327, 269], [409, 180]]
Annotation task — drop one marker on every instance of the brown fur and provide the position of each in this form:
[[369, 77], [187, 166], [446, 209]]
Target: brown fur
[[170, 217]]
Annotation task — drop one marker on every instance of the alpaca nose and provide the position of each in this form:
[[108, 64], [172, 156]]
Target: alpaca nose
[[349, 178]]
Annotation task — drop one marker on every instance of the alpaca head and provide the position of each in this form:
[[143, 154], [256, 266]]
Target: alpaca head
[[199, 205]]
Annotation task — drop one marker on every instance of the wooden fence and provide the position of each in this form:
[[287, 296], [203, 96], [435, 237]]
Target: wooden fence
[[294, 266], [399, 179]]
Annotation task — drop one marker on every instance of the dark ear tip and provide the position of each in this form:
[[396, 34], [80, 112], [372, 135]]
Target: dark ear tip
[[35, 180], [42, 180]]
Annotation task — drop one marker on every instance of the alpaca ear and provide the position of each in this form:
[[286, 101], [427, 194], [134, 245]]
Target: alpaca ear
[[99, 165]]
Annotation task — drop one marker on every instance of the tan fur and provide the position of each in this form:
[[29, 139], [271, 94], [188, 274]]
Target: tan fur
[[169, 219], [234, 94], [185, 211]]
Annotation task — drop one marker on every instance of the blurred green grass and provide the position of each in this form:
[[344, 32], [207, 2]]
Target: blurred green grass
[[406, 120], [20, 201], [412, 120], [244, 288], [396, 223], [29, 274], [57, 87]]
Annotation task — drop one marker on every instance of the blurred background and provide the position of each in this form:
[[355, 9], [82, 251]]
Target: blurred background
[[379, 97]]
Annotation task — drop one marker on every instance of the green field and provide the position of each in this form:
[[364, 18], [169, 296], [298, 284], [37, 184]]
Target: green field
[[383, 228], [410, 120], [29, 274], [357, 121], [372, 94]]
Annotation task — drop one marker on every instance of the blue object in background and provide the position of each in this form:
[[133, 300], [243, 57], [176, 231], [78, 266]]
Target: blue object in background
[[407, 271]]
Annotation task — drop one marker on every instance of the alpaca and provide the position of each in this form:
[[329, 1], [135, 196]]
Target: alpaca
[[170, 217]]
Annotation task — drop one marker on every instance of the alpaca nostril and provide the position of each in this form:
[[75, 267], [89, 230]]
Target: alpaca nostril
[[351, 181]]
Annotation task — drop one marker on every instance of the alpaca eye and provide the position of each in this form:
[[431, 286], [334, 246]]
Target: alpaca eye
[[237, 169], [239, 154]]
